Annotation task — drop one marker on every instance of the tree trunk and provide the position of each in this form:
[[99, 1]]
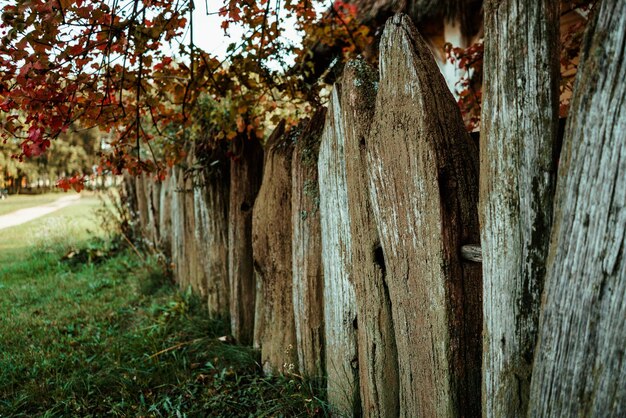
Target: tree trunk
[[246, 171], [579, 368], [378, 357], [308, 281], [423, 184], [339, 299], [518, 141], [211, 214], [271, 244]]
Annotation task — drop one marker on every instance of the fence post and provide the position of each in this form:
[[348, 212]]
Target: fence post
[[518, 140], [308, 280], [211, 232], [378, 357], [579, 367], [246, 170], [423, 171], [339, 299], [271, 244]]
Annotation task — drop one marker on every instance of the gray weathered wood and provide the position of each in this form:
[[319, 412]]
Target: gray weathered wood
[[378, 362], [142, 204], [211, 232], [271, 244], [187, 257], [308, 284], [423, 170], [246, 171], [153, 190], [192, 263], [129, 196], [339, 299], [579, 368], [177, 222], [147, 201], [165, 215], [518, 139]]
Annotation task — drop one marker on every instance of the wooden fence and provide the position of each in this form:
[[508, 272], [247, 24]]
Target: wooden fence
[[348, 248]]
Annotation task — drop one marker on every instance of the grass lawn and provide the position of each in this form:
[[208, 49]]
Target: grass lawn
[[113, 337], [21, 201]]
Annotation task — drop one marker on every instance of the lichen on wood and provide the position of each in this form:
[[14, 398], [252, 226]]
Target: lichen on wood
[[340, 314], [579, 368], [308, 285], [378, 362], [518, 141]]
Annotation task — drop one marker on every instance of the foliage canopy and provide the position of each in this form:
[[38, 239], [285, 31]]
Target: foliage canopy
[[108, 64]]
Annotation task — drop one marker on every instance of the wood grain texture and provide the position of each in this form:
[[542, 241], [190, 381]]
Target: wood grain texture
[[518, 138], [178, 230], [378, 359], [154, 210], [148, 197], [211, 232], [246, 172], [579, 368], [308, 279], [142, 204], [165, 215], [271, 246], [423, 171], [340, 311], [187, 257]]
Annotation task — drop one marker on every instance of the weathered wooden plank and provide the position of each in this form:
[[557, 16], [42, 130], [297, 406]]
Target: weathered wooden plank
[[518, 139], [154, 194], [245, 179], [142, 204], [271, 244], [211, 231], [186, 255], [177, 222], [192, 261], [308, 284], [165, 215], [378, 358], [579, 368], [148, 196], [423, 171], [129, 194], [339, 299], [148, 217]]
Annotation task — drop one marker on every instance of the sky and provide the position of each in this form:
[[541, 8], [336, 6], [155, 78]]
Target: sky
[[208, 34]]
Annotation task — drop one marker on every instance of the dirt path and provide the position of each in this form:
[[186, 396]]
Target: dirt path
[[25, 215]]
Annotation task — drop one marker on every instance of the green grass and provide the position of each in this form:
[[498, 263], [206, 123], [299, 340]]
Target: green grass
[[116, 338], [16, 202]]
